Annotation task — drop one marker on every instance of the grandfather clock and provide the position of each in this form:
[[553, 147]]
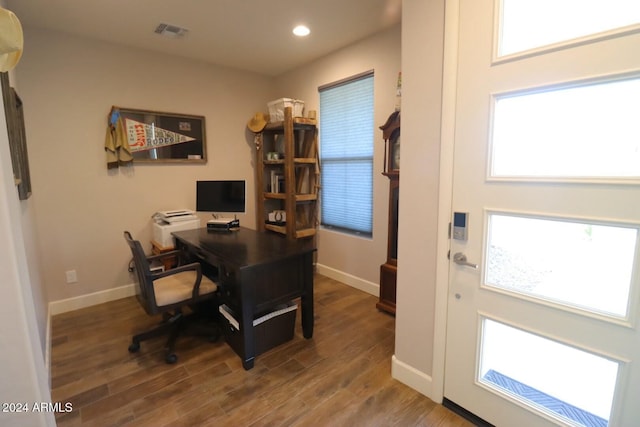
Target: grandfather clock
[[391, 169]]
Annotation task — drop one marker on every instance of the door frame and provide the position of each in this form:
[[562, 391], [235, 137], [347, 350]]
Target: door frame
[[445, 198]]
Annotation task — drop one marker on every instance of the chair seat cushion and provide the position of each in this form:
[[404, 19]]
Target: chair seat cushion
[[179, 287]]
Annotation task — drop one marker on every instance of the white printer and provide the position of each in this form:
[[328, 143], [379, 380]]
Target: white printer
[[167, 222]]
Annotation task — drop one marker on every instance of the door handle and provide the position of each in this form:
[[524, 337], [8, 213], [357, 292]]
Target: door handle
[[461, 259]]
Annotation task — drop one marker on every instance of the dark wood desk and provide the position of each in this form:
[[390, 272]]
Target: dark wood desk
[[257, 271]]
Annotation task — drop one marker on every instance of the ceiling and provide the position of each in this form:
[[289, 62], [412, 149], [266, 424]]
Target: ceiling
[[252, 35]]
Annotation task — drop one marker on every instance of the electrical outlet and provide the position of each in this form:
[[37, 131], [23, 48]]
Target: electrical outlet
[[72, 277]]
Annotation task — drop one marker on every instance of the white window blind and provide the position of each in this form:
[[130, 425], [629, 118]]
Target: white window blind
[[346, 152]]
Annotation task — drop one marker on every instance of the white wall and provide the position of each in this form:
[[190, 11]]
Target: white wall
[[422, 58], [30, 243], [355, 260], [68, 86], [22, 365]]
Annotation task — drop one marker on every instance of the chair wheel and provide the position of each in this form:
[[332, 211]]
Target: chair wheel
[[171, 358], [134, 347]]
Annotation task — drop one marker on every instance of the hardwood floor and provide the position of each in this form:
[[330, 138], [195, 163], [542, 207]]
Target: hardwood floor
[[341, 377]]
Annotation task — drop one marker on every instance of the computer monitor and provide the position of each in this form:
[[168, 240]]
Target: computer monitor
[[220, 196]]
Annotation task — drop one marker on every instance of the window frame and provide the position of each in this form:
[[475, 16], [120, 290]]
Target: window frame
[[368, 159], [532, 90], [497, 58]]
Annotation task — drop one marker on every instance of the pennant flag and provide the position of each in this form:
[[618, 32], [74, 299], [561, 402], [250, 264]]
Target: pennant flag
[[143, 136]]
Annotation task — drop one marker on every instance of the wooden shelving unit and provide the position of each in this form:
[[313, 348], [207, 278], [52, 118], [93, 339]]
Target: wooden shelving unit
[[290, 183]]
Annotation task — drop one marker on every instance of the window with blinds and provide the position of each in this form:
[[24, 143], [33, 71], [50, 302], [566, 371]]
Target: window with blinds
[[346, 152]]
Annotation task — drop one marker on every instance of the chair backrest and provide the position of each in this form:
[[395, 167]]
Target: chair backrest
[[143, 270]]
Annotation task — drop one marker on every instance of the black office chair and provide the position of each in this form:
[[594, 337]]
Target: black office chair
[[169, 292]]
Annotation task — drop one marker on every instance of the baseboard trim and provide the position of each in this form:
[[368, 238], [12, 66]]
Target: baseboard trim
[[348, 279], [412, 377], [83, 301]]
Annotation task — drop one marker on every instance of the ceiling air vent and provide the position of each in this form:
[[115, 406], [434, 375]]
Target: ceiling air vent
[[170, 30]]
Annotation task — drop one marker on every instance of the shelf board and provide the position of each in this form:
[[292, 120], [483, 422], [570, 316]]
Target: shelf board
[[304, 121], [279, 196], [297, 160], [300, 234], [305, 160], [306, 232], [306, 197], [299, 197], [277, 228]]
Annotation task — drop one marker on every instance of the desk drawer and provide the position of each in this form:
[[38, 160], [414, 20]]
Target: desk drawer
[[201, 255], [270, 330], [209, 263], [230, 289]]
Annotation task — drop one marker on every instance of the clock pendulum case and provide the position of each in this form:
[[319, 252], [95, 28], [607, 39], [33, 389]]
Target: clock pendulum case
[[389, 270]]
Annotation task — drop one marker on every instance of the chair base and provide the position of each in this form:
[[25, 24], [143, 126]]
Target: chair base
[[175, 324]]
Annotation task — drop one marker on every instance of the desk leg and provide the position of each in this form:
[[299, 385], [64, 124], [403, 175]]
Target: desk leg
[[249, 355], [248, 364], [246, 328], [306, 301]]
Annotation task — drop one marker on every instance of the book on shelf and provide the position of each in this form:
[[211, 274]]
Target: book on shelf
[[277, 182]]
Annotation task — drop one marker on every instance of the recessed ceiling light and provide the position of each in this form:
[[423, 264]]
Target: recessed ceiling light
[[301, 31]]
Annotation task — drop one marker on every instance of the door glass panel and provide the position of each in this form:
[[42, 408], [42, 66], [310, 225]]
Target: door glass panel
[[529, 24], [580, 264], [567, 383], [588, 131]]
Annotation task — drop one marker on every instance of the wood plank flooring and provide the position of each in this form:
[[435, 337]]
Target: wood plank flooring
[[341, 377]]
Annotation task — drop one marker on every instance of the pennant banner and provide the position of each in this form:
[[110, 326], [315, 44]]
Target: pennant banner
[[143, 136]]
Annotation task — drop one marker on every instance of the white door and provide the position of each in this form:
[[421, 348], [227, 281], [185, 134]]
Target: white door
[[544, 330]]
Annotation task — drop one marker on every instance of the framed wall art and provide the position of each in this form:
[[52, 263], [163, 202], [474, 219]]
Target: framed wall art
[[164, 137], [17, 137]]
